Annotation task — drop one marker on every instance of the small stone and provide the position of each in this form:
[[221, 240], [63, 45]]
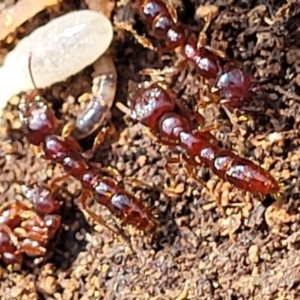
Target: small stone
[[204, 11], [275, 137], [293, 55], [105, 268], [16, 291], [253, 253], [179, 188], [141, 161], [286, 174], [49, 285], [297, 80], [15, 100]]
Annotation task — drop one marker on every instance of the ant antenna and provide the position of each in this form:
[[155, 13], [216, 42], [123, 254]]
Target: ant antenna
[[30, 70], [28, 97]]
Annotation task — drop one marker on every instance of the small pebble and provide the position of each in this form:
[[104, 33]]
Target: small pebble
[[49, 285], [141, 161], [253, 254], [297, 80], [275, 137], [105, 268], [16, 291], [180, 188]]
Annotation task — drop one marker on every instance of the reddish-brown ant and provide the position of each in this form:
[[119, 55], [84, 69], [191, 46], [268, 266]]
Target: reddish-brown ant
[[157, 109], [228, 85], [27, 228], [40, 126]]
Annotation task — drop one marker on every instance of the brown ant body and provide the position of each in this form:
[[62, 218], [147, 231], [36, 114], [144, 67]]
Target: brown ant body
[[227, 84], [27, 228], [40, 126], [156, 108], [162, 23]]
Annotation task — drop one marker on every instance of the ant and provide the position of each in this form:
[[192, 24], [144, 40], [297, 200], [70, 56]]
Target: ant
[[40, 126], [158, 109], [228, 85], [27, 228]]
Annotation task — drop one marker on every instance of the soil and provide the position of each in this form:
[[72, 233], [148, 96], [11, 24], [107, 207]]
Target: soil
[[249, 251]]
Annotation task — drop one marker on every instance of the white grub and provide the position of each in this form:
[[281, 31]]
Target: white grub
[[59, 49]]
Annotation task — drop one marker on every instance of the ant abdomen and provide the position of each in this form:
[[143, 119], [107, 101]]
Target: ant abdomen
[[244, 174]]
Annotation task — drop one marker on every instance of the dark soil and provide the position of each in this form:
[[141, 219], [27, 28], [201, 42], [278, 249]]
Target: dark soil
[[251, 252]]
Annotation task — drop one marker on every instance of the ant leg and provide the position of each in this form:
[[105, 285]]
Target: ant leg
[[158, 76], [103, 133], [126, 111], [112, 172], [172, 10], [117, 230], [206, 97], [168, 166], [192, 174], [288, 94], [188, 165], [234, 120], [217, 52], [150, 134], [67, 129], [83, 199], [55, 187], [172, 161], [142, 184], [37, 151], [54, 182], [140, 39], [211, 127], [206, 128], [208, 13], [199, 117], [202, 35], [32, 250], [278, 196], [133, 181], [205, 93]]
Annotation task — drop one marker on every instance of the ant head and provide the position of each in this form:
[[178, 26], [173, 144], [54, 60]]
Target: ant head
[[149, 103], [37, 117], [41, 198]]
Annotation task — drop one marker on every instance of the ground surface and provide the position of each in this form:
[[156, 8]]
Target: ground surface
[[251, 253]]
